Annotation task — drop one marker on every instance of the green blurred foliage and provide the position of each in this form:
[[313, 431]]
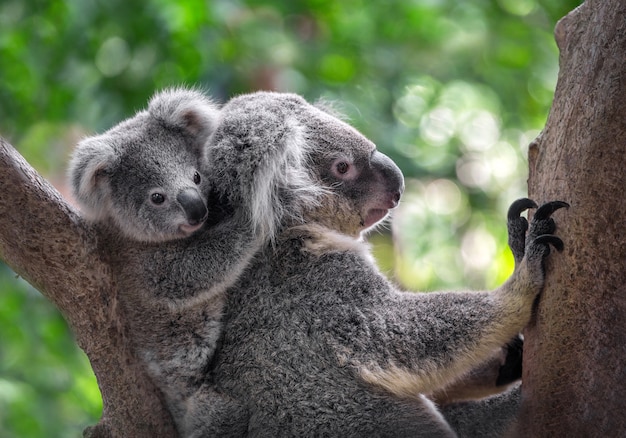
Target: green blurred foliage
[[453, 91]]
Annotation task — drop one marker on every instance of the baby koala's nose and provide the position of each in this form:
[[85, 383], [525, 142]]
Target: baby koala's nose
[[193, 205]]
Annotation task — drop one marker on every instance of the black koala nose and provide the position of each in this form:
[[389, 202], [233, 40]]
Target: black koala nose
[[193, 205], [395, 198], [391, 174]]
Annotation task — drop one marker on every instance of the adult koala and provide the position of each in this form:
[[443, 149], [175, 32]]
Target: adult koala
[[145, 184], [316, 341]]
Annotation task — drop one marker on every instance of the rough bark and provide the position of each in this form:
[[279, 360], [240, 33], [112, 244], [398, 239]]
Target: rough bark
[[47, 243], [574, 371]]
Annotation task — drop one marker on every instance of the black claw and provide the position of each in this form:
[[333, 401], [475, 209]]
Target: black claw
[[551, 239], [517, 207], [548, 208]]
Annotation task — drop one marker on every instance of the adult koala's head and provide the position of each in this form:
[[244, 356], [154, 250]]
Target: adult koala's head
[[306, 164], [148, 173]]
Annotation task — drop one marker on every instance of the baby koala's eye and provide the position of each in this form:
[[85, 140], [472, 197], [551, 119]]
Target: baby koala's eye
[[342, 167], [157, 198], [196, 178]]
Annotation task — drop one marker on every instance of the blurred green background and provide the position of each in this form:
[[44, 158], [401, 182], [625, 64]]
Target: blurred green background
[[452, 91]]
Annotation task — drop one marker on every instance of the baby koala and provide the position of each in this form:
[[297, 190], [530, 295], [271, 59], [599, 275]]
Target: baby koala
[[144, 185]]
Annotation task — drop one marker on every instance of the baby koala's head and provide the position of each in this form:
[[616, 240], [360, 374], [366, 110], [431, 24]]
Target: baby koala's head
[[148, 173]]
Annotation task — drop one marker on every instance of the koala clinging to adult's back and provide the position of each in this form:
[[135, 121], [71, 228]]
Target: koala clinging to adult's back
[[316, 341], [145, 185]]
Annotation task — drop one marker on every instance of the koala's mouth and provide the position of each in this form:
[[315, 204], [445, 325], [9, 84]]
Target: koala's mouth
[[381, 207], [188, 228], [374, 216]]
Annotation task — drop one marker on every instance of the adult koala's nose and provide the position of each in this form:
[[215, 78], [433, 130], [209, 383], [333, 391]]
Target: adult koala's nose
[[390, 175], [193, 205]]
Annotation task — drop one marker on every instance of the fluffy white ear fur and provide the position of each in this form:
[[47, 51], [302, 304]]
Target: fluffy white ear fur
[[287, 174], [88, 175], [185, 109], [266, 208], [264, 139]]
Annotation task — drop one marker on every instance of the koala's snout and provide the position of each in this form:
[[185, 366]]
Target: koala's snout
[[391, 175], [192, 203]]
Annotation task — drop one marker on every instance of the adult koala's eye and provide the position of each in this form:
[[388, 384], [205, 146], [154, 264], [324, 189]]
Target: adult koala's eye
[[342, 167], [157, 198], [196, 178]]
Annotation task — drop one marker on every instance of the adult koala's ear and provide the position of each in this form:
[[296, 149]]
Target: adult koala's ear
[[188, 111], [259, 155], [89, 173]]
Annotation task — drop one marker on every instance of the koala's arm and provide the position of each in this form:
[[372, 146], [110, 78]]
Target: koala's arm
[[429, 340], [201, 266], [505, 366], [175, 294]]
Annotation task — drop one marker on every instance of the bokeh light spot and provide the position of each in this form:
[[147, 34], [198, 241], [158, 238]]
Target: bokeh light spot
[[478, 248], [443, 196], [113, 57]]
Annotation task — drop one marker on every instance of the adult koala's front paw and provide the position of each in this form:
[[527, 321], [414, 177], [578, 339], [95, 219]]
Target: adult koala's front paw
[[540, 234]]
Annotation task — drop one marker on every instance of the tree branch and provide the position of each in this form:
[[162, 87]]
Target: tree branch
[[47, 243]]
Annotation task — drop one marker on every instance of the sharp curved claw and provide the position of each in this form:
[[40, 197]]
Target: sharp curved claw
[[551, 239], [517, 207], [548, 208]]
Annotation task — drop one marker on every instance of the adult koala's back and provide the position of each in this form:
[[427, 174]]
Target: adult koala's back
[[147, 174]]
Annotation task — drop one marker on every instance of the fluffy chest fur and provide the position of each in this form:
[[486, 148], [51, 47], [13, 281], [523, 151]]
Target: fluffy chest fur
[[298, 331]]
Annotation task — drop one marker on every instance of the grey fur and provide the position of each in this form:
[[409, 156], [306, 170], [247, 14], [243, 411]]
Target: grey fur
[[316, 341], [173, 266], [158, 151], [491, 417]]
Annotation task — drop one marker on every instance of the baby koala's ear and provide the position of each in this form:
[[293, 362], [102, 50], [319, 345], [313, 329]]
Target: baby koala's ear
[[186, 109], [89, 174]]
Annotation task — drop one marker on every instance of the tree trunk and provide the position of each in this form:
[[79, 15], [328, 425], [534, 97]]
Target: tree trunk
[[575, 348], [48, 244]]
